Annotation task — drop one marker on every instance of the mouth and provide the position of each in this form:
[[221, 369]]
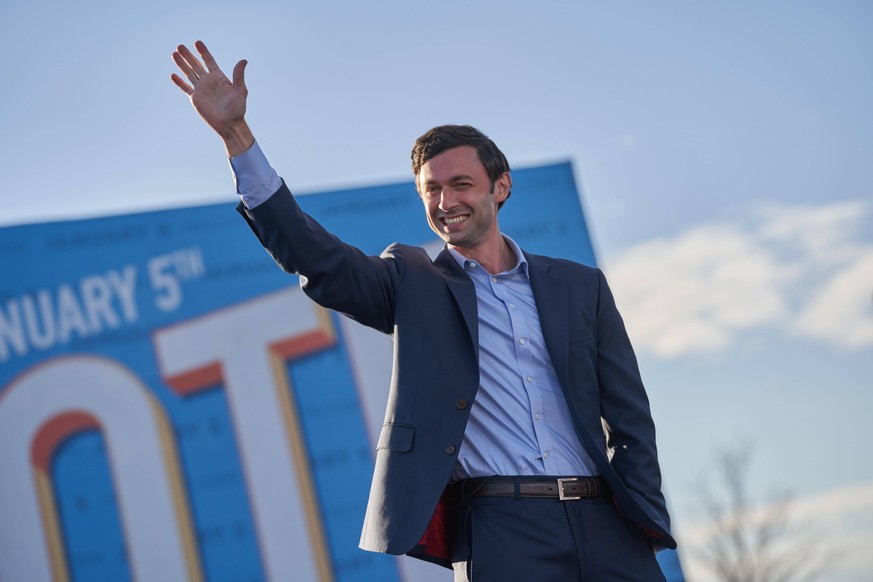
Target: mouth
[[453, 220]]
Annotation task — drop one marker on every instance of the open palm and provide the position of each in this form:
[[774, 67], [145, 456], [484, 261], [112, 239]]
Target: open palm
[[220, 102]]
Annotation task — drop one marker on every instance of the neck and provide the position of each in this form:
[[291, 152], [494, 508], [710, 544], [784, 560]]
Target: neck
[[494, 258]]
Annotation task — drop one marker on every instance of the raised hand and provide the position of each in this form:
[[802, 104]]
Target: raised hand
[[220, 102]]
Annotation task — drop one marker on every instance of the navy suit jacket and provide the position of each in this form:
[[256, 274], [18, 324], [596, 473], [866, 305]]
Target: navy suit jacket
[[429, 307]]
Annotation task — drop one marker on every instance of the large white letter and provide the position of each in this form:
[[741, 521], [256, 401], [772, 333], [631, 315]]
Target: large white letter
[[55, 400], [244, 347]]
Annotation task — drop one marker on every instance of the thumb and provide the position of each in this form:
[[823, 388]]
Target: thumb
[[239, 75]]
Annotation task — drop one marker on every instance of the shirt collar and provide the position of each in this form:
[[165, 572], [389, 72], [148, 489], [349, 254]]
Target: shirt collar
[[520, 259]]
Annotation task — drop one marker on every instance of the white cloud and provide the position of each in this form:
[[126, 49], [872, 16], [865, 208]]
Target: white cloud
[[840, 520], [842, 312], [682, 294], [824, 235], [800, 269]]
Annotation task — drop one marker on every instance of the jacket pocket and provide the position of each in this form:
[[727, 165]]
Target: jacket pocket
[[396, 437], [582, 335]]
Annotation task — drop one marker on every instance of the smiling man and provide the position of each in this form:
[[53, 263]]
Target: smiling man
[[518, 442], [462, 197]]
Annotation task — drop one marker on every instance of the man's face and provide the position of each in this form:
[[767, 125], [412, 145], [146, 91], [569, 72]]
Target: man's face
[[460, 202]]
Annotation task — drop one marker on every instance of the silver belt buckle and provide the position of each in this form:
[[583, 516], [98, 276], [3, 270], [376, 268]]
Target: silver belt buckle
[[561, 495]]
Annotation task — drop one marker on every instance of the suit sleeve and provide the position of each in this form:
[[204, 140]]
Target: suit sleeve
[[630, 430], [334, 274]]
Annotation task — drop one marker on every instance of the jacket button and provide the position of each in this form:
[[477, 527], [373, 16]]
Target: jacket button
[[461, 404], [450, 450]]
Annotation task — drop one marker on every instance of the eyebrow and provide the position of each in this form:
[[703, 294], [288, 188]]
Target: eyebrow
[[454, 179]]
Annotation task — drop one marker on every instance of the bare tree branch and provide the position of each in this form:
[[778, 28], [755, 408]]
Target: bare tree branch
[[756, 543]]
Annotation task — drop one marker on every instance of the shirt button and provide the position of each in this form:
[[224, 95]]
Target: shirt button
[[521, 341], [538, 417], [493, 279], [530, 378], [450, 450], [546, 455], [461, 404]]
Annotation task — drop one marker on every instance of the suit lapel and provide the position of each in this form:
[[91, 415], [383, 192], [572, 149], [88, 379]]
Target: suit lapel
[[550, 292], [463, 291]]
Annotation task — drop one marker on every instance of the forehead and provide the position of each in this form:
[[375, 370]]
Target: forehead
[[459, 161]]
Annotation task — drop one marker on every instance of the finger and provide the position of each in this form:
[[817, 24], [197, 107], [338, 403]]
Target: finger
[[208, 60], [185, 67], [182, 84], [193, 62], [239, 75]]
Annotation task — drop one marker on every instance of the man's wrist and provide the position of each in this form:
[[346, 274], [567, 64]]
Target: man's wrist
[[238, 139]]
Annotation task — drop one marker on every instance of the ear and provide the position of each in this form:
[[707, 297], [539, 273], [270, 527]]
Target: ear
[[502, 186]]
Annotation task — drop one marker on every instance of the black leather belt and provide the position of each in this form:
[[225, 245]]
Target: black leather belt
[[563, 488]]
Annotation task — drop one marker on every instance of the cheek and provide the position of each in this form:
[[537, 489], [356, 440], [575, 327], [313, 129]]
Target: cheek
[[428, 212]]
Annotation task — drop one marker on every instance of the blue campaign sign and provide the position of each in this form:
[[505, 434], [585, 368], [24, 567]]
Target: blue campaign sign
[[173, 407]]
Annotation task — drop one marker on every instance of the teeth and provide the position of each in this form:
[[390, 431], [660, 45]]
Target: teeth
[[455, 220]]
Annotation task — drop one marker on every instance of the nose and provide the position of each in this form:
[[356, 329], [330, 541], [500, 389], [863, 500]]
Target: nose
[[447, 200]]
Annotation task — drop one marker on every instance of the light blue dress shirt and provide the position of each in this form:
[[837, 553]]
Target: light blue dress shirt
[[519, 423]]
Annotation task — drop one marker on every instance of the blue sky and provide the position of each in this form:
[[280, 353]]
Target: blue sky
[[723, 151]]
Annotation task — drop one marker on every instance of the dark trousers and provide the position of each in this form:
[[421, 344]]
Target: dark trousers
[[503, 539]]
